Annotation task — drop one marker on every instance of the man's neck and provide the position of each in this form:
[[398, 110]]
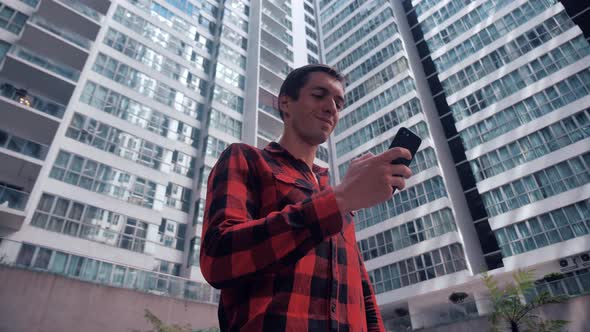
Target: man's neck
[[299, 148]]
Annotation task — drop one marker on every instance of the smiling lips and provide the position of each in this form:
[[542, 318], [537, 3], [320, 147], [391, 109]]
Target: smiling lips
[[325, 120]]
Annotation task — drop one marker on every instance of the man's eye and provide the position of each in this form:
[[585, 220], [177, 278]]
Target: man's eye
[[318, 96]]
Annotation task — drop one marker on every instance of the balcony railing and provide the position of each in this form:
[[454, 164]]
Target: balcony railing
[[43, 259], [283, 6], [64, 33], [268, 86], [274, 68], [23, 146], [12, 198], [44, 62], [26, 98], [270, 110], [282, 37], [82, 9]]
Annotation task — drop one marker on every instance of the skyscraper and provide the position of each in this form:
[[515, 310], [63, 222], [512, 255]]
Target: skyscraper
[[114, 113], [498, 90]]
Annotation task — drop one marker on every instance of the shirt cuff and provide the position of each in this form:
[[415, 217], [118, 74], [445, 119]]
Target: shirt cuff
[[323, 209]]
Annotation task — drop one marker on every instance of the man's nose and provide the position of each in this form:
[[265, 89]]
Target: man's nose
[[331, 106]]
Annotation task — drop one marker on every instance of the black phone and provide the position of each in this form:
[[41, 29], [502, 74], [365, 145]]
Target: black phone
[[405, 138]]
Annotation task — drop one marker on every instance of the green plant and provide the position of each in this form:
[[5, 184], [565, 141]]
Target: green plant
[[553, 276], [160, 326], [508, 306]]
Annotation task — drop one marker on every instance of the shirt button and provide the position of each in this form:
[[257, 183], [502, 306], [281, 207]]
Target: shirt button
[[333, 307]]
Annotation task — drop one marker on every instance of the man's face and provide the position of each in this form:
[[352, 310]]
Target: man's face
[[314, 115]]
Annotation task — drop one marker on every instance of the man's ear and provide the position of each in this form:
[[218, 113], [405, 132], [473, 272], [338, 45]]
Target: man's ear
[[284, 105]]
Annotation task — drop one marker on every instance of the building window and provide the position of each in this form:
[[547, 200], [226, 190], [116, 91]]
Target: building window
[[148, 86], [215, 147], [548, 182], [308, 9], [311, 34], [226, 123], [138, 114], [322, 153], [548, 100], [410, 233], [166, 267], [546, 229], [234, 37], [101, 272], [100, 178], [58, 214], [230, 76], [172, 234], [12, 20], [312, 47], [310, 21], [178, 197], [404, 201], [436, 263], [544, 141], [228, 99], [228, 55]]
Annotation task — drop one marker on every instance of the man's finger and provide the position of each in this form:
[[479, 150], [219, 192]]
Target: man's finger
[[397, 182], [395, 153], [400, 170], [365, 156]]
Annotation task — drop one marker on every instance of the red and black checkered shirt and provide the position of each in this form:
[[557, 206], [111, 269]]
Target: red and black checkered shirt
[[276, 244]]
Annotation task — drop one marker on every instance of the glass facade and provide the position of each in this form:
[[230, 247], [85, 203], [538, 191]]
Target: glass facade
[[432, 264], [101, 178], [67, 216], [546, 229], [421, 229]]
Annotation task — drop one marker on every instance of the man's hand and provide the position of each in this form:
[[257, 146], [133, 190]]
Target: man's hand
[[371, 180]]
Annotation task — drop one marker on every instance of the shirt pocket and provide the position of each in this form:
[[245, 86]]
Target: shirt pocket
[[291, 190]]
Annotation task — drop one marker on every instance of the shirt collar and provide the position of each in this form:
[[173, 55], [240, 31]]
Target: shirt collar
[[276, 148]]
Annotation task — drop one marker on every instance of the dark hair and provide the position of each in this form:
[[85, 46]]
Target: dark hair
[[297, 78]]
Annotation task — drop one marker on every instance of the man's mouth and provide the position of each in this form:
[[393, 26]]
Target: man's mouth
[[325, 120]]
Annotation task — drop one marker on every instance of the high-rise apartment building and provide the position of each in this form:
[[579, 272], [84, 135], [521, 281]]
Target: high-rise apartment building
[[114, 112], [499, 92]]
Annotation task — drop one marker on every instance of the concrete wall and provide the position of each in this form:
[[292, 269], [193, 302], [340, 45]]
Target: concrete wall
[[38, 302], [575, 311]]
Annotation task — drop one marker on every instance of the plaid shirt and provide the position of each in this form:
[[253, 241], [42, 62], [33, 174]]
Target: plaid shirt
[[276, 244]]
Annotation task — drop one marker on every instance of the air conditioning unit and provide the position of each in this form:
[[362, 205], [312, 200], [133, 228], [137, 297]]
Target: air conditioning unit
[[575, 262]]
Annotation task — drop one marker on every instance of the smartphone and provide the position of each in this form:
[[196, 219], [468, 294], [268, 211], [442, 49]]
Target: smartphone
[[405, 138]]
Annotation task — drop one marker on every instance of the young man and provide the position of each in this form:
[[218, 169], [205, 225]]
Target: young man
[[277, 239]]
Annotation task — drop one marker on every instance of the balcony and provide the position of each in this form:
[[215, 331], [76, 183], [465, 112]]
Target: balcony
[[12, 206], [276, 30], [268, 86], [273, 10], [26, 99], [270, 110], [281, 71], [55, 41], [100, 6], [39, 73], [278, 17], [279, 50], [280, 4], [73, 15], [22, 146]]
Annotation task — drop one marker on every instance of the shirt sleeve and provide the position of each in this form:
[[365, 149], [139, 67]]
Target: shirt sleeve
[[235, 246], [372, 312]]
